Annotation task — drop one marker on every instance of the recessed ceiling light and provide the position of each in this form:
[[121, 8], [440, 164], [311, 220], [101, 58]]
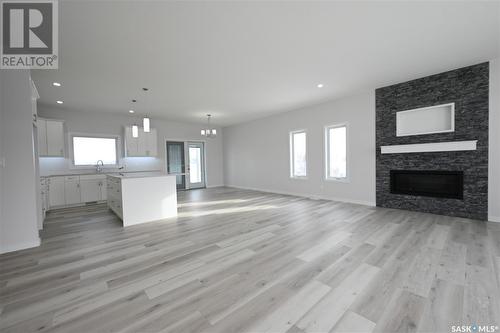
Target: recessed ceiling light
[[56, 84], [59, 102], [320, 85], [131, 111]]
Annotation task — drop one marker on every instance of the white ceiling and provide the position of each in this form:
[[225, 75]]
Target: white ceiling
[[245, 60]]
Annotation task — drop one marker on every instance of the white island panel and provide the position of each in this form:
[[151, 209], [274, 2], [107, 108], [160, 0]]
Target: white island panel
[[146, 198]]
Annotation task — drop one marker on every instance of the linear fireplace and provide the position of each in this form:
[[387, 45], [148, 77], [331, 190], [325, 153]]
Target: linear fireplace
[[442, 184]]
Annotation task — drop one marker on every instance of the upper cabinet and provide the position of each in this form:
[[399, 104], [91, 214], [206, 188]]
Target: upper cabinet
[[148, 147], [50, 137], [146, 144], [42, 136], [131, 143]]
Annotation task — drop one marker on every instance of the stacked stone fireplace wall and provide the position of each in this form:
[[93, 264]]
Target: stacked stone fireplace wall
[[466, 87]]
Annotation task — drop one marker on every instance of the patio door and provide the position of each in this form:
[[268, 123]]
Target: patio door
[[186, 160], [196, 164]]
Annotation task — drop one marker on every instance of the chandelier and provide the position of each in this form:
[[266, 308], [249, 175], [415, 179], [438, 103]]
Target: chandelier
[[209, 132]]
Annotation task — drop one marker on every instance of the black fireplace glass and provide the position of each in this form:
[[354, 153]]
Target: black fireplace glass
[[440, 184]]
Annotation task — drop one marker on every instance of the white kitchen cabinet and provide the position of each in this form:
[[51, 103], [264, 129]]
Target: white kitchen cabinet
[[146, 144], [151, 145], [142, 142], [114, 190], [72, 190], [75, 189], [41, 125], [56, 191], [44, 191], [131, 143], [55, 138], [104, 189], [92, 188], [50, 137]]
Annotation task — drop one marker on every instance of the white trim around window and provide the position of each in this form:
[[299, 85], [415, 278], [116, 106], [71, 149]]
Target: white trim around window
[[327, 151], [294, 173], [91, 135]]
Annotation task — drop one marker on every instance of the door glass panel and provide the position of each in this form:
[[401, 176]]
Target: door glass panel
[[175, 157], [194, 165]]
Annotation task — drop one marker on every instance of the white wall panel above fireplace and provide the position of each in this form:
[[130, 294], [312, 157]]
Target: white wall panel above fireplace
[[430, 147]]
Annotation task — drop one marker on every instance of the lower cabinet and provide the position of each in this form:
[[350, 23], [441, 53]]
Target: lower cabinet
[[104, 189], [114, 188], [73, 190], [56, 191], [44, 189], [90, 190], [93, 188]]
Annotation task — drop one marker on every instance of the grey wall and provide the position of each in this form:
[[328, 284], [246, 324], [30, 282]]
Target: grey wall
[[468, 88], [112, 123], [256, 154], [18, 212]]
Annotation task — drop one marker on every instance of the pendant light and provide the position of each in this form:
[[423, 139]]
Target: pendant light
[[146, 121], [146, 124], [135, 131], [135, 128], [209, 132]]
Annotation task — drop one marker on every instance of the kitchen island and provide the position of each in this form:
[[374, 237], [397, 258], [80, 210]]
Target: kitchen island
[[142, 197]]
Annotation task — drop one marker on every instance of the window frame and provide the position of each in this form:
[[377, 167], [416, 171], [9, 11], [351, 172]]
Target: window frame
[[291, 153], [326, 143], [94, 135]]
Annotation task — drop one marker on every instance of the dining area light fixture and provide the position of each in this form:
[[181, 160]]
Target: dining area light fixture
[[208, 131]]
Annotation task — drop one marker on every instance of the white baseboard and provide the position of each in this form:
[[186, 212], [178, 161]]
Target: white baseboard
[[216, 185], [309, 196], [494, 218], [20, 246], [80, 204]]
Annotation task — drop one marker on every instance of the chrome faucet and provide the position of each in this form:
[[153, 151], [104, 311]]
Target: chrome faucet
[[98, 167]]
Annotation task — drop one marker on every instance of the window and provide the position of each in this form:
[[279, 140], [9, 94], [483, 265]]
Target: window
[[298, 157], [336, 152], [88, 150]]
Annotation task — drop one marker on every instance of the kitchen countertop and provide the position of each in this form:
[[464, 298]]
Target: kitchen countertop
[[114, 173], [139, 175]]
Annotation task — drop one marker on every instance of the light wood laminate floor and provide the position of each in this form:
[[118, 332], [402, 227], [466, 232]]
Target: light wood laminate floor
[[246, 261]]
